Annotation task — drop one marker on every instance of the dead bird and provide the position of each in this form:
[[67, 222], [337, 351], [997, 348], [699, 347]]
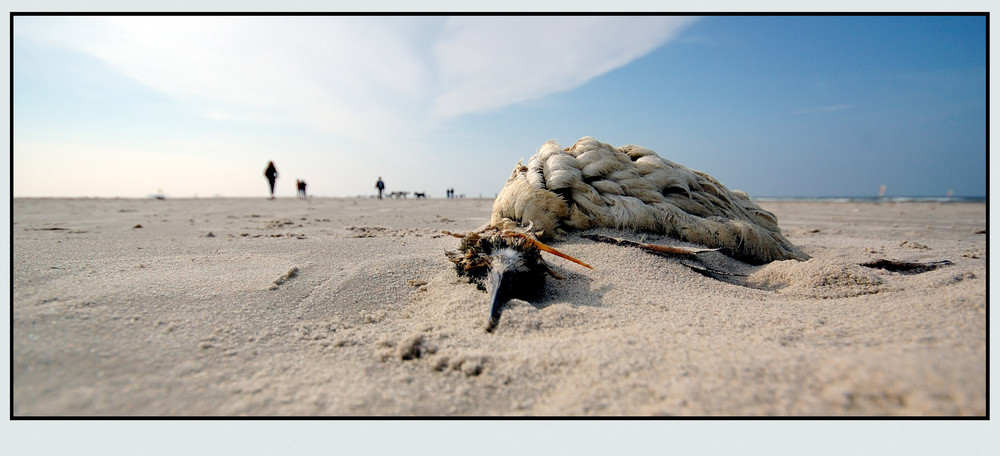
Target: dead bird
[[505, 263], [596, 185]]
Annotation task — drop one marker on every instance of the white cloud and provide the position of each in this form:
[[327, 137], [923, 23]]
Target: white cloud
[[357, 77], [487, 63]]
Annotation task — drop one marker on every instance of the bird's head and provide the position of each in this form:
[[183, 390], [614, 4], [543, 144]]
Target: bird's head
[[506, 264]]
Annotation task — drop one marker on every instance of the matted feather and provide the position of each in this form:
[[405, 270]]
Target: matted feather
[[593, 184]]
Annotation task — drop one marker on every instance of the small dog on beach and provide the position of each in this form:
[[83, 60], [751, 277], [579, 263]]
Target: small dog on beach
[[301, 185]]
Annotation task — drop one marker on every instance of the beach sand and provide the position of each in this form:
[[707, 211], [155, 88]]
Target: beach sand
[[349, 307]]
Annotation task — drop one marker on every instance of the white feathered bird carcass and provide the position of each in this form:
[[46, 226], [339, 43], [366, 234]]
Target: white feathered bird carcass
[[593, 184]]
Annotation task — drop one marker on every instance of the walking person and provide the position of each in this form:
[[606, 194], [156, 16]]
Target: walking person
[[271, 173], [380, 186]]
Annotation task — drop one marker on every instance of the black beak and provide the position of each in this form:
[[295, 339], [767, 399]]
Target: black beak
[[496, 284]]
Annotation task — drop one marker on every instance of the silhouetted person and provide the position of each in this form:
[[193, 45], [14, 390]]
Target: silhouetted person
[[380, 186], [272, 175], [301, 184]]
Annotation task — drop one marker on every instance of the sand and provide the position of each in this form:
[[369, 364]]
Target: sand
[[349, 307]]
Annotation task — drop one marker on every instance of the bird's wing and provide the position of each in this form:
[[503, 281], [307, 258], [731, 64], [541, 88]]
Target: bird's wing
[[653, 248]]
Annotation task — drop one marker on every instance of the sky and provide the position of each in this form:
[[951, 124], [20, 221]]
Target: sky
[[777, 106]]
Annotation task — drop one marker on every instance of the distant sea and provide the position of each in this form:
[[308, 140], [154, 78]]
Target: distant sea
[[879, 199]]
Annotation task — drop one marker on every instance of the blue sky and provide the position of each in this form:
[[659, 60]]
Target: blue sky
[[775, 106]]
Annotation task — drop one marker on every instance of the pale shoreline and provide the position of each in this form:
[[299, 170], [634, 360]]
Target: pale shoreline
[[170, 307]]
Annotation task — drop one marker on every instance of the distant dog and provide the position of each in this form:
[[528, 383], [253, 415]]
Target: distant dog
[[301, 184], [419, 195]]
